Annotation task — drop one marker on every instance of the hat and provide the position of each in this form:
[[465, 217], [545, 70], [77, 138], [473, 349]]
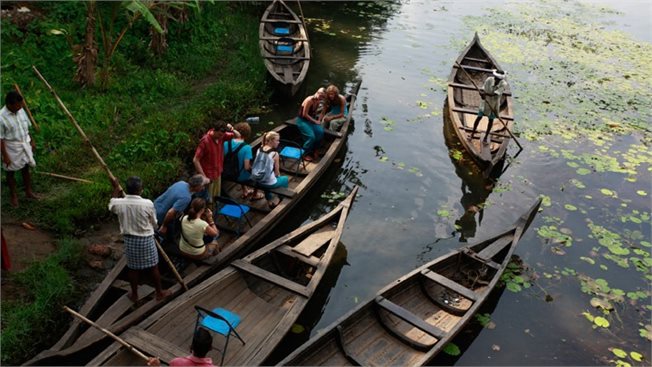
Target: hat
[[198, 180], [500, 74]]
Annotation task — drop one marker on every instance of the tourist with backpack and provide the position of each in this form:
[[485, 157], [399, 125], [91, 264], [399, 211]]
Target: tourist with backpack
[[209, 157], [266, 169], [238, 159]]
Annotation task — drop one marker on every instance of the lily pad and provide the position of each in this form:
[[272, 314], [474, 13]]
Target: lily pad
[[619, 352], [452, 349]]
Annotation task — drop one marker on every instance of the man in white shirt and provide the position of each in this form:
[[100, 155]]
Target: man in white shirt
[[16, 144], [137, 222]]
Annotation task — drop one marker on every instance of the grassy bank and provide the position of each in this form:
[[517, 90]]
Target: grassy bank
[[146, 121]]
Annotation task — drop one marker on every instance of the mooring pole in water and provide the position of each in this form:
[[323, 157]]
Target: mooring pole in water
[[79, 129], [492, 109], [107, 332]]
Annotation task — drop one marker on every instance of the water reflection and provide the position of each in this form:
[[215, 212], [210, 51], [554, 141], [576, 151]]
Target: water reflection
[[474, 186]]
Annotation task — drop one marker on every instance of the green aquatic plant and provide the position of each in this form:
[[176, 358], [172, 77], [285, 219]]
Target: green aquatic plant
[[551, 234], [452, 349], [333, 196]]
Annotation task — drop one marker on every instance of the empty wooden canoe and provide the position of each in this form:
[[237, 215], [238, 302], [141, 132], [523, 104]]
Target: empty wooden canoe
[[413, 318], [284, 46]]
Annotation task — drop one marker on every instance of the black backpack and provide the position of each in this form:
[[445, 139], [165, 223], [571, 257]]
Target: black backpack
[[231, 170]]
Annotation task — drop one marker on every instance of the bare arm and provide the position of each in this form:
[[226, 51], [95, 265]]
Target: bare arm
[[305, 107], [277, 170], [195, 162], [5, 156], [169, 217]]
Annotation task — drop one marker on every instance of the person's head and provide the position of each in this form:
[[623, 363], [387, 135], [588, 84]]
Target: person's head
[[14, 101], [332, 92], [271, 138], [499, 74], [202, 342], [244, 129], [197, 206], [134, 185], [320, 94], [219, 129], [197, 182]]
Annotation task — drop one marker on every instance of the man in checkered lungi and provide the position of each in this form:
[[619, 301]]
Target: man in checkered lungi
[[137, 222]]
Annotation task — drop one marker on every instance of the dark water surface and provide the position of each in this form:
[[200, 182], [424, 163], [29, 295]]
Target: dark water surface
[[584, 124]]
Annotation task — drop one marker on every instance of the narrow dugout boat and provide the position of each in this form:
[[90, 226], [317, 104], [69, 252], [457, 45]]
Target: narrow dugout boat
[[268, 291], [414, 317], [109, 305], [284, 46], [464, 100]]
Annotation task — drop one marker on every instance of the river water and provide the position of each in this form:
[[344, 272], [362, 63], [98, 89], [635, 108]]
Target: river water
[[581, 77]]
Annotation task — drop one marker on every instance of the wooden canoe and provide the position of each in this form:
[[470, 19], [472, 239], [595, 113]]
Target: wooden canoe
[[463, 102], [413, 318], [109, 305], [267, 289], [284, 46]]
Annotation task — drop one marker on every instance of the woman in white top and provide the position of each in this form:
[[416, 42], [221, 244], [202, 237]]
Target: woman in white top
[[195, 225], [273, 178]]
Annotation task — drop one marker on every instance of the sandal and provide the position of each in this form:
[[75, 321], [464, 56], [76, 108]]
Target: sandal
[[259, 195], [246, 193]]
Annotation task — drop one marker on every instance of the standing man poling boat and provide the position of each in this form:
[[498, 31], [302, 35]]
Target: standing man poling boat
[[491, 94], [17, 145]]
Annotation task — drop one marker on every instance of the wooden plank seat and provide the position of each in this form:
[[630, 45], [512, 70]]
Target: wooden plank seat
[[475, 112], [471, 87], [268, 38], [493, 249], [408, 317], [450, 284], [492, 133], [476, 59], [490, 263], [474, 68], [288, 250], [152, 344], [271, 277], [280, 57], [313, 242], [289, 21]]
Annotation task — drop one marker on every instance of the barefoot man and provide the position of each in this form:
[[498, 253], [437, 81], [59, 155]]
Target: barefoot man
[[137, 222], [16, 144]]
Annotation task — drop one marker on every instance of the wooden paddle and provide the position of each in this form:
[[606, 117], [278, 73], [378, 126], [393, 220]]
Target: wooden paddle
[[113, 179], [107, 332], [492, 109], [29, 113]]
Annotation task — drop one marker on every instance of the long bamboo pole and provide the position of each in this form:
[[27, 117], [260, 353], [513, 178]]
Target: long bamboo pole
[[64, 177], [79, 129], [107, 332], [113, 179], [492, 109], [29, 113], [171, 265]]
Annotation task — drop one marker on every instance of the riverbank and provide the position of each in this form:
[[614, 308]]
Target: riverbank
[[145, 118]]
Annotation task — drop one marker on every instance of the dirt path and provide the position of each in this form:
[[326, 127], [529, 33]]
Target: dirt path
[[27, 246]]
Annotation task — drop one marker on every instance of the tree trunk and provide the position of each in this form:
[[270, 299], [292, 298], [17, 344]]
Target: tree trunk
[[86, 55], [159, 42]]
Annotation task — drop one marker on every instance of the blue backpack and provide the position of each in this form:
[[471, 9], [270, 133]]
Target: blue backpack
[[260, 166]]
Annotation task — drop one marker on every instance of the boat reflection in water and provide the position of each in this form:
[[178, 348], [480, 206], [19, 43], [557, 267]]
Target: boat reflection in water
[[474, 185]]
